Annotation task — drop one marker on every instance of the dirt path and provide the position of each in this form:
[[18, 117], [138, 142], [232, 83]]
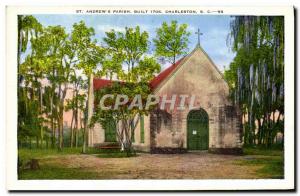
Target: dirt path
[[160, 166]]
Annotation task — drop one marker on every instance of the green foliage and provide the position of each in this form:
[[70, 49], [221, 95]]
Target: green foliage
[[263, 150], [171, 40], [28, 26], [52, 172], [270, 161], [146, 69], [90, 56], [128, 117], [270, 167], [56, 61], [27, 154], [129, 89], [255, 76], [128, 48], [125, 48], [52, 60], [30, 72], [98, 150], [77, 101], [52, 168], [116, 155]]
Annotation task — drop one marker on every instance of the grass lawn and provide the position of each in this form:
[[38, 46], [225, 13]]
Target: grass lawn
[[98, 163], [50, 172], [26, 154], [270, 161], [53, 171]]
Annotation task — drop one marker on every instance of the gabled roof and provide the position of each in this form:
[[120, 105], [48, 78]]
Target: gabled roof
[[99, 83], [173, 68], [161, 77], [164, 74]]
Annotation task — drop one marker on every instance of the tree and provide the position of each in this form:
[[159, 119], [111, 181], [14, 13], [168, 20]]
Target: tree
[[76, 105], [48, 71], [30, 74], [130, 49], [58, 61], [256, 75], [28, 30], [127, 48], [171, 41], [90, 56]]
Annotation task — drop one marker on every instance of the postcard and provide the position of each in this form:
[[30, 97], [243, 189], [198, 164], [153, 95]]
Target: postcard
[[150, 98]]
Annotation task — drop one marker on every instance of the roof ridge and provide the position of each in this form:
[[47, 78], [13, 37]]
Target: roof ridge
[[155, 82], [161, 78], [178, 64]]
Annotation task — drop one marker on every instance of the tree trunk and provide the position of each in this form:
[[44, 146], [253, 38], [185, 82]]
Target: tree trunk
[[259, 131], [76, 128], [37, 142], [84, 140], [61, 138], [41, 113], [72, 132], [60, 128], [90, 105], [62, 95], [174, 59], [52, 133], [76, 117], [20, 36], [52, 123], [59, 135]]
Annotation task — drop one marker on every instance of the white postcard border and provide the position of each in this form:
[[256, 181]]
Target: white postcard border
[[11, 113]]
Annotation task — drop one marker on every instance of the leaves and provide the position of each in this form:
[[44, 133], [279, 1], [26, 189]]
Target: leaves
[[171, 40], [125, 48], [255, 76], [125, 59], [57, 62]]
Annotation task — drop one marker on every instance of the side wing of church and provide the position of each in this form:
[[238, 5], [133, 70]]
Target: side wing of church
[[213, 123]]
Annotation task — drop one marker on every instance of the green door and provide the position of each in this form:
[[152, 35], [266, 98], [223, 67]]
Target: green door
[[197, 127], [110, 131]]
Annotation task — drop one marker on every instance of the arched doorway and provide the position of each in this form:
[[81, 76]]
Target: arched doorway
[[197, 130]]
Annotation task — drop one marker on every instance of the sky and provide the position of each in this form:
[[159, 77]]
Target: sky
[[215, 29]]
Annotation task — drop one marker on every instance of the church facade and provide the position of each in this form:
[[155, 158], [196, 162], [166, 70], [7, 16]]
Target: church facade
[[213, 124]]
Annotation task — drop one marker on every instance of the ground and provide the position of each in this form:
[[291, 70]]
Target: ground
[[196, 165]]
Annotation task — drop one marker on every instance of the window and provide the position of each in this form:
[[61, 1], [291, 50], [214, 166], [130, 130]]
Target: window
[[142, 129], [132, 132]]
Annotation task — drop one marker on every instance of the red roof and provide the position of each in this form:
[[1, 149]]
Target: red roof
[[163, 75], [100, 83]]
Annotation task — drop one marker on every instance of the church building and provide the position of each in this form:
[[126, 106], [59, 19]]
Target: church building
[[214, 124]]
